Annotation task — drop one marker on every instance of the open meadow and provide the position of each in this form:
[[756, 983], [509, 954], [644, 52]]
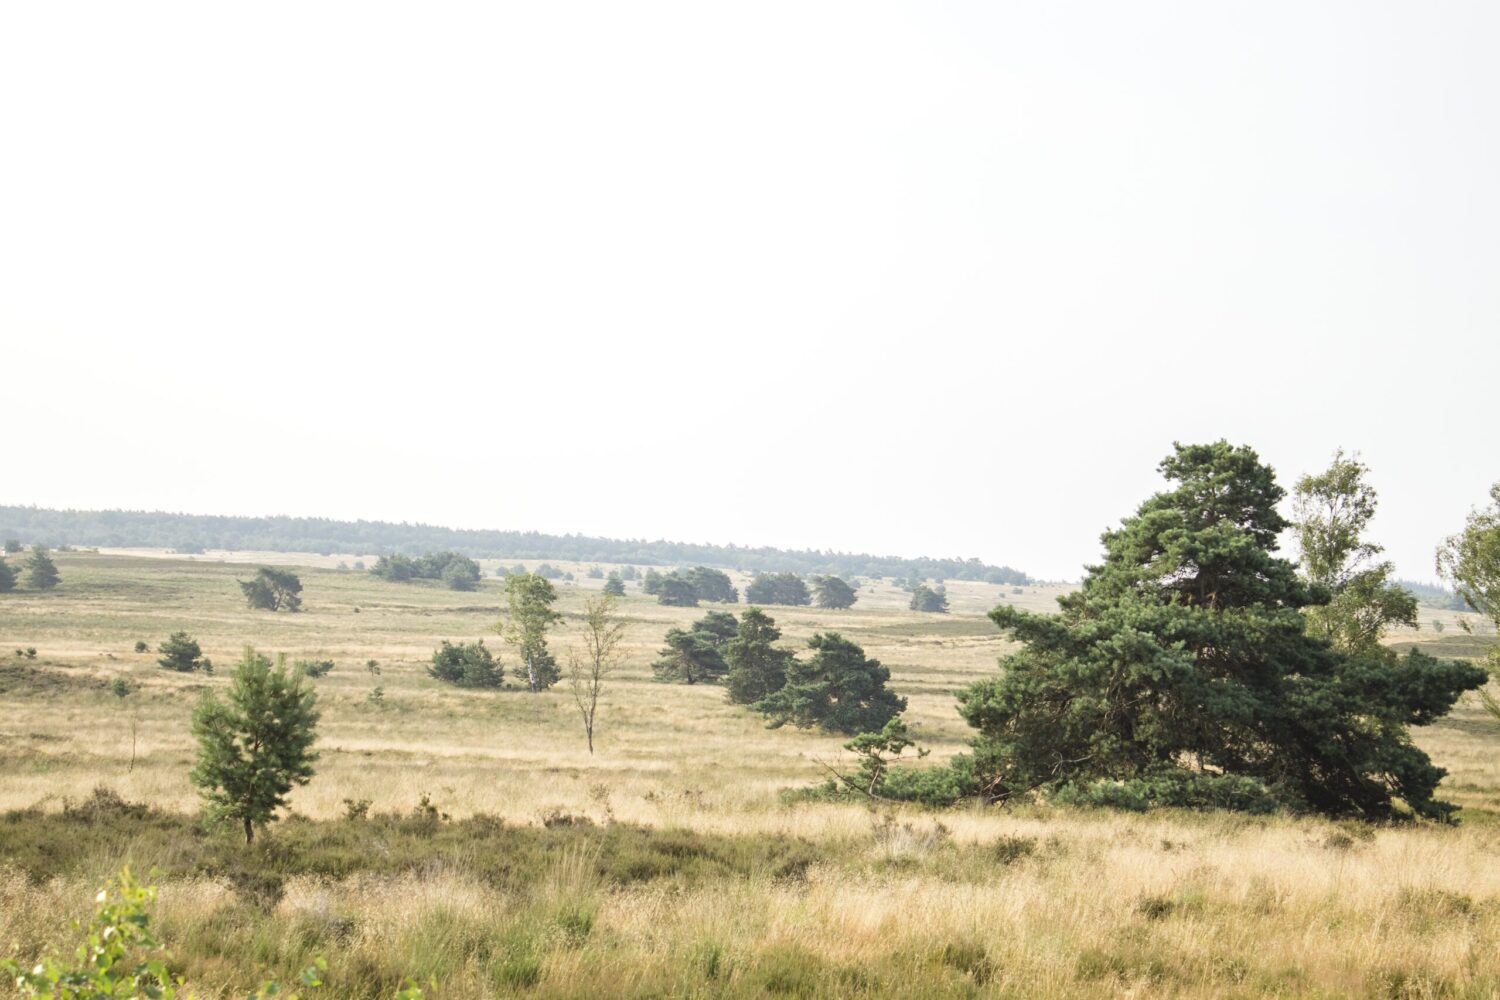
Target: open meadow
[[468, 837]]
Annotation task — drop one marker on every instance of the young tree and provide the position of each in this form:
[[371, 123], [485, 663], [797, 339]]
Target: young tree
[[651, 583], [713, 585], [467, 664], [833, 593], [273, 590], [254, 747], [41, 571], [530, 598], [929, 599], [837, 689], [1470, 562], [877, 751], [1181, 672], [602, 633], [7, 577], [756, 668], [614, 586], [697, 654], [181, 652], [676, 591], [1332, 510]]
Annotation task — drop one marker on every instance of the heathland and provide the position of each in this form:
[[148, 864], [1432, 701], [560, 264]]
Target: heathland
[[468, 837]]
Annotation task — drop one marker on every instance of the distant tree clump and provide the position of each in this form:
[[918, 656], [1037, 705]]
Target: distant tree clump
[[838, 689], [181, 652], [7, 577], [273, 590], [41, 571], [713, 585], [677, 591], [1182, 673], [778, 588], [467, 664], [614, 586], [456, 571], [833, 593], [929, 599], [530, 598], [12, 546], [549, 572], [595, 573], [256, 745], [629, 573], [697, 654], [756, 667], [651, 583]]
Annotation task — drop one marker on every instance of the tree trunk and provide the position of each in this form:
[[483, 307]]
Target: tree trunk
[[249, 832], [531, 674]]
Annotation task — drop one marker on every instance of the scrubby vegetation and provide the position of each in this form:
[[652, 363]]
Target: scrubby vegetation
[[457, 572]]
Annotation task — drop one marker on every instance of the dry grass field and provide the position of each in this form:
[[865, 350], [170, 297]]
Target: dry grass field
[[671, 865]]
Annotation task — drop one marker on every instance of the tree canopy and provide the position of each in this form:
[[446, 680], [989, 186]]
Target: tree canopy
[[713, 585], [838, 689], [181, 652], [697, 654], [530, 599], [7, 577], [778, 588], [614, 586], [466, 664], [929, 599], [41, 571], [1182, 672], [676, 591], [756, 666]]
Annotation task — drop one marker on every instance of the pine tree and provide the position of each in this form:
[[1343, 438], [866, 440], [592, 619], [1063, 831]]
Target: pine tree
[[1182, 672], [614, 586], [833, 593], [254, 747], [757, 668], [41, 571], [933, 600], [467, 664], [7, 577], [273, 590], [182, 653], [838, 689], [697, 654]]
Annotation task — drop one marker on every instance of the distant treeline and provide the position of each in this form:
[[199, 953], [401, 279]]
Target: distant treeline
[[199, 532], [1434, 596]]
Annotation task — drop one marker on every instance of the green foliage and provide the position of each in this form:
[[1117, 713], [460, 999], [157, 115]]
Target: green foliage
[[1332, 510], [1470, 560], [254, 747], [313, 668], [466, 665], [651, 583], [119, 957], [7, 577], [273, 590], [140, 646], [530, 598], [549, 572], [713, 585], [41, 571], [182, 653], [698, 653], [930, 599], [837, 689], [778, 588], [1174, 788], [756, 667], [614, 586], [676, 591], [12, 546], [595, 573], [1185, 656], [877, 751], [833, 593]]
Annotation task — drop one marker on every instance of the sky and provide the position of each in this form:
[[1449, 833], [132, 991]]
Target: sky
[[935, 279]]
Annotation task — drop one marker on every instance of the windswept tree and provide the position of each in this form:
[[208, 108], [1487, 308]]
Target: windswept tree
[[41, 571], [614, 586], [273, 590], [837, 688], [933, 600], [833, 593], [603, 631], [530, 598], [256, 745], [713, 585], [697, 654], [1182, 673], [756, 666], [465, 664], [1332, 511]]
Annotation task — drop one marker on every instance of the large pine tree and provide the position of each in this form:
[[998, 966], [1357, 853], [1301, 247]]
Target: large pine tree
[[1182, 672]]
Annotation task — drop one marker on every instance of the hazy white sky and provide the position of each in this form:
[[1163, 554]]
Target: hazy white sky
[[913, 278]]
